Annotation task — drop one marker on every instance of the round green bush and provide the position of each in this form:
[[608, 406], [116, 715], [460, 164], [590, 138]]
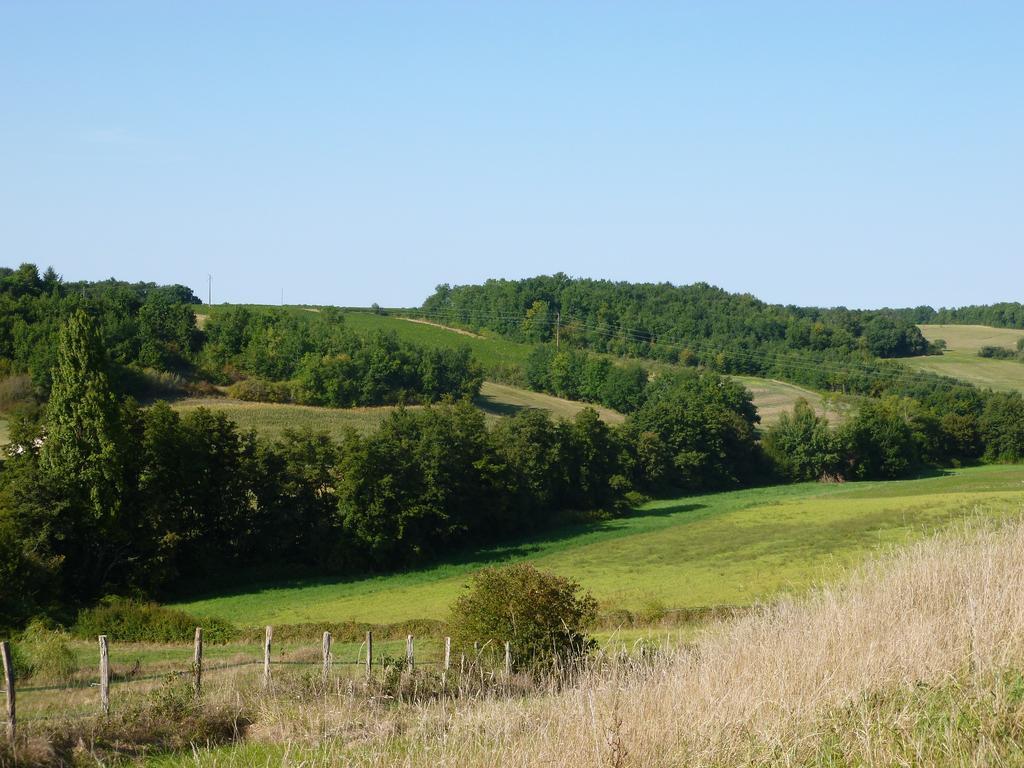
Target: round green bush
[[544, 617]]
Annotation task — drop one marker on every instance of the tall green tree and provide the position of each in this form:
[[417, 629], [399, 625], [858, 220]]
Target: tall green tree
[[802, 446], [83, 433]]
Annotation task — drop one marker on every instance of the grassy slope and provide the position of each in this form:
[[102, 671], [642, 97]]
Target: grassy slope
[[730, 548], [271, 419], [773, 398], [490, 349], [961, 357], [503, 400]]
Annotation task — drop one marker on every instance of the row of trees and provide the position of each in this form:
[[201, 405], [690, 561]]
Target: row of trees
[[893, 437], [1007, 314]]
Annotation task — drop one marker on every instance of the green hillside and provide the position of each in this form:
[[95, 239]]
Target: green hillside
[[733, 548]]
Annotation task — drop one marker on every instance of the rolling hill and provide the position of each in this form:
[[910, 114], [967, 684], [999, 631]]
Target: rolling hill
[[961, 361]]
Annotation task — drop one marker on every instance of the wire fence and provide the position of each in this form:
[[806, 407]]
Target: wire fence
[[68, 701]]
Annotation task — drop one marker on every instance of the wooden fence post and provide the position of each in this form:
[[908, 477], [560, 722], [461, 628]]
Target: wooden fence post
[[104, 675], [5, 652], [410, 656], [267, 640], [327, 658], [447, 661], [508, 658], [197, 663], [369, 653]]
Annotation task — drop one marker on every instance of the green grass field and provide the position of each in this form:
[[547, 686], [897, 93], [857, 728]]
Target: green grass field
[[494, 352], [732, 548], [961, 361]]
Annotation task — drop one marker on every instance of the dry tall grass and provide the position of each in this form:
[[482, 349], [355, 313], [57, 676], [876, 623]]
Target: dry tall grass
[[914, 660]]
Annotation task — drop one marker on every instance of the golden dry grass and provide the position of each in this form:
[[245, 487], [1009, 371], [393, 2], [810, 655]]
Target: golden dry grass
[[971, 338], [915, 660]]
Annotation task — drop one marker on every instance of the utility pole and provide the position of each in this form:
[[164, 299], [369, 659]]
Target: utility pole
[[558, 323], [209, 290]]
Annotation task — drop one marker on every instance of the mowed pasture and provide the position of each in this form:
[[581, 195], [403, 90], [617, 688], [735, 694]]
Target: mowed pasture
[[726, 549], [504, 400], [971, 338], [270, 420], [773, 398], [961, 361]]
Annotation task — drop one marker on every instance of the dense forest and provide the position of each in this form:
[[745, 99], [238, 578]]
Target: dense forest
[[668, 322]]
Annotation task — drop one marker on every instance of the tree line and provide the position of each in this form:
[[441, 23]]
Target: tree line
[[1006, 314], [668, 322], [152, 340], [100, 496]]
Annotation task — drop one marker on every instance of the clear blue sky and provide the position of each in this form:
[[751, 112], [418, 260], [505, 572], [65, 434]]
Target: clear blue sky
[[858, 153]]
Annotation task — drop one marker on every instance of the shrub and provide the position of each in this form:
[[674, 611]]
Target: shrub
[[999, 353], [545, 617], [42, 652], [261, 391], [133, 621]]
